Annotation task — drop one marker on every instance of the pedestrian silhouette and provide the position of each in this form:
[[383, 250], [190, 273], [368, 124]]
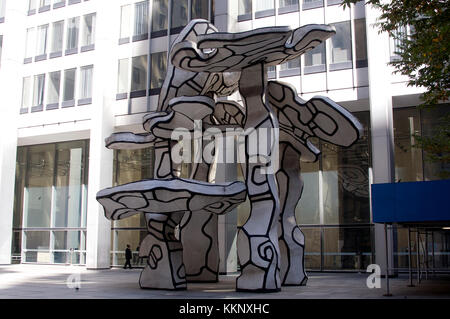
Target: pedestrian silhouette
[[128, 257]]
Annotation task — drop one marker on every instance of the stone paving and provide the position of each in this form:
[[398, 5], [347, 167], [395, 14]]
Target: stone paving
[[48, 281]]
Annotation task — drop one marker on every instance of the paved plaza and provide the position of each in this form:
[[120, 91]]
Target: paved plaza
[[39, 281]]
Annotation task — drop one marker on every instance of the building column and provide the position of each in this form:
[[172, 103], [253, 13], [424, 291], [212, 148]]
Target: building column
[[11, 89], [100, 158], [382, 135]]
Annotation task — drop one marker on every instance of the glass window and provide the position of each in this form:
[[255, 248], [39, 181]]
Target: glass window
[[54, 84], [360, 43], [179, 13], [26, 90], [38, 90], [38, 187], [131, 166], [291, 64], [141, 18], [158, 69], [309, 4], [122, 77], [41, 45], [68, 184], [58, 33], [139, 73], [408, 159], [69, 85], [345, 183], [63, 240], [86, 73], [43, 3], [313, 242], [29, 50], [31, 5], [307, 210], [262, 5], [341, 43], [245, 7], [432, 121], [88, 29], [72, 33], [1, 47], [287, 3], [159, 15], [199, 9], [2, 9], [347, 248], [37, 240], [396, 39], [125, 16], [315, 56], [122, 238]]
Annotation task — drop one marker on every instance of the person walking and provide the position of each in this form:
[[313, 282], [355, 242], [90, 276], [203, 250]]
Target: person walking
[[128, 256]]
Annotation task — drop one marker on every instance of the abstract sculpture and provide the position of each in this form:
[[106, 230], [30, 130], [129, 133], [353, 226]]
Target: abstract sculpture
[[204, 65]]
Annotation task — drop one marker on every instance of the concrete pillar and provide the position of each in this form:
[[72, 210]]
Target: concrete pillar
[[10, 89], [101, 159], [381, 122]]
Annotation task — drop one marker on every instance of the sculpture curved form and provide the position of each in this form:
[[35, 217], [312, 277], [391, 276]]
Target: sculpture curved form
[[299, 121], [251, 53]]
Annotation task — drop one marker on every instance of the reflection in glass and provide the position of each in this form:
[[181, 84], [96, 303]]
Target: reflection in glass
[[26, 90], [68, 184], [159, 15], [312, 247], [347, 248], [29, 49], [86, 74], [287, 3], [69, 85], [199, 9], [131, 166], [245, 7], [262, 5], [125, 14], [38, 89], [122, 77], [72, 33], [346, 179], [315, 56], [38, 188], [53, 87], [307, 210], [159, 68], [179, 13], [408, 159], [360, 40], [88, 29], [290, 65], [139, 73], [341, 43], [57, 39], [141, 18], [41, 47]]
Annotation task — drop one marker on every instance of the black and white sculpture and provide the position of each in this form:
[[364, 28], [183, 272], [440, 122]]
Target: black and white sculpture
[[204, 65]]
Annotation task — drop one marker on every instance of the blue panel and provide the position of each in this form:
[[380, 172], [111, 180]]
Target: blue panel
[[411, 202]]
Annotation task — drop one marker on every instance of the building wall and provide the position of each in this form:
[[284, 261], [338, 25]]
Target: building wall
[[128, 63]]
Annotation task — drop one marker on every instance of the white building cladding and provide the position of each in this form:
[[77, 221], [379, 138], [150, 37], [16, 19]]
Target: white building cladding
[[72, 72]]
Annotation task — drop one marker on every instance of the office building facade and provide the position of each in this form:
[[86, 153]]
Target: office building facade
[[72, 72]]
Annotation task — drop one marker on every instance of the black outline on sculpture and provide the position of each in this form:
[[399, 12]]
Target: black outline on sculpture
[[205, 64]]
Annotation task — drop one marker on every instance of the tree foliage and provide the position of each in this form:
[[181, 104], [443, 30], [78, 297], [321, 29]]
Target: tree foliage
[[423, 57]]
